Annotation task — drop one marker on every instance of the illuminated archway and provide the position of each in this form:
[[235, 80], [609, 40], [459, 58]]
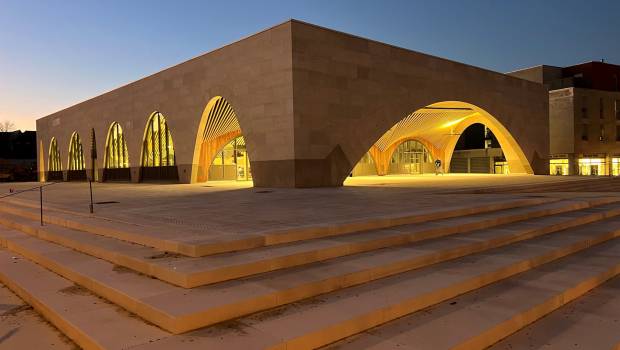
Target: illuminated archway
[[437, 127], [116, 157], [75, 164], [158, 158], [220, 137], [54, 164]]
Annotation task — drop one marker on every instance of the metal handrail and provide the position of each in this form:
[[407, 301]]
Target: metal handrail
[[40, 187], [28, 190]]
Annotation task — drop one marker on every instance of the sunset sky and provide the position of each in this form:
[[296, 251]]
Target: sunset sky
[[56, 53]]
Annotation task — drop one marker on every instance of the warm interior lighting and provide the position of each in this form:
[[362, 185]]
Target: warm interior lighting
[[53, 161], [76, 153], [116, 155], [592, 166], [220, 134], [453, 122], [558, 166], [157, 147], [615, 166]]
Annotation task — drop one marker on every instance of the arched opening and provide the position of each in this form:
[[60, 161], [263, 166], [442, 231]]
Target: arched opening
[[75, 167], [220, 152], [158, 159], [425, 141], [116, 157], [54, 164], [478, 151]]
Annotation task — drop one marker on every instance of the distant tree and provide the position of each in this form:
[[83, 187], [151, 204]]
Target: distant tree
[[6, 125]]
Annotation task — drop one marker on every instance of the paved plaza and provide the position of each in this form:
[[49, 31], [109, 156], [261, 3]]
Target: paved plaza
[[225, 264], [235, 207]]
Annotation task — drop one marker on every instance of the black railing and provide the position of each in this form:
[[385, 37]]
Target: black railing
[[40, 188]]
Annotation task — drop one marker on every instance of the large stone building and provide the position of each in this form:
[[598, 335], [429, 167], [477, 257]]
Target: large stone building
[[584, 117], [295, 105]]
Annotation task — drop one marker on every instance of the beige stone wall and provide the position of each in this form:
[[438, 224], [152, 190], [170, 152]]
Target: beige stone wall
[[348, 91], [254, 75]]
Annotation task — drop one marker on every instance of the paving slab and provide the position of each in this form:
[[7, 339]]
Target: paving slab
[[21, 327], [205, 212], [589, 322], [90, 321], [477, 319]]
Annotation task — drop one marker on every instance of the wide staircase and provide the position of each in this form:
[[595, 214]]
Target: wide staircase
[[455, 279], [582, 184]]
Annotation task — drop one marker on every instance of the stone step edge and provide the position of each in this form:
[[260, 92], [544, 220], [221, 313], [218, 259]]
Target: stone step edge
[[334, 332], [191, 280], [523, 319], [183, 323], [542, 187], [80, 337], [268, 238]]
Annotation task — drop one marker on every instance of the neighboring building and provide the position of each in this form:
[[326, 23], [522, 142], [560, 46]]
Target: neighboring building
[[18, 156], [295, 105], [584, 117]]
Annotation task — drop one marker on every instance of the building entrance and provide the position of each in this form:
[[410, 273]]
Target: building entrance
[[232, 162], [409, 158]]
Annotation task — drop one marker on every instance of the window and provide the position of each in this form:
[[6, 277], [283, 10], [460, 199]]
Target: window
[[408, 158], [231, 162], [584, 132], [116, 156], [617, 109], [592, 166], [584, 107], [157, 149], [53, 162], [615, 166], [558, 166], [601, 108], [76, 153], [601, 136], [617, 132]]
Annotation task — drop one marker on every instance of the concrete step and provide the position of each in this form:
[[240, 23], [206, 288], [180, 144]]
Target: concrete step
[[91, 322], [480, 318], [580, 185], [179, 310], [323, 320], [220, 242], [192, 272], [589, 322]]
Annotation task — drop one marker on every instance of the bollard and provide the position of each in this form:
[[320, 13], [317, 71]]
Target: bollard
[[90, 186], [41, 202]]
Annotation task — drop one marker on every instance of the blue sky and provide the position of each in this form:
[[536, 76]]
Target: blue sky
[[55, 53]]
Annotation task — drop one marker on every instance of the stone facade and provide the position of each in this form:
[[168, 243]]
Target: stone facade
[[310, 103]]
